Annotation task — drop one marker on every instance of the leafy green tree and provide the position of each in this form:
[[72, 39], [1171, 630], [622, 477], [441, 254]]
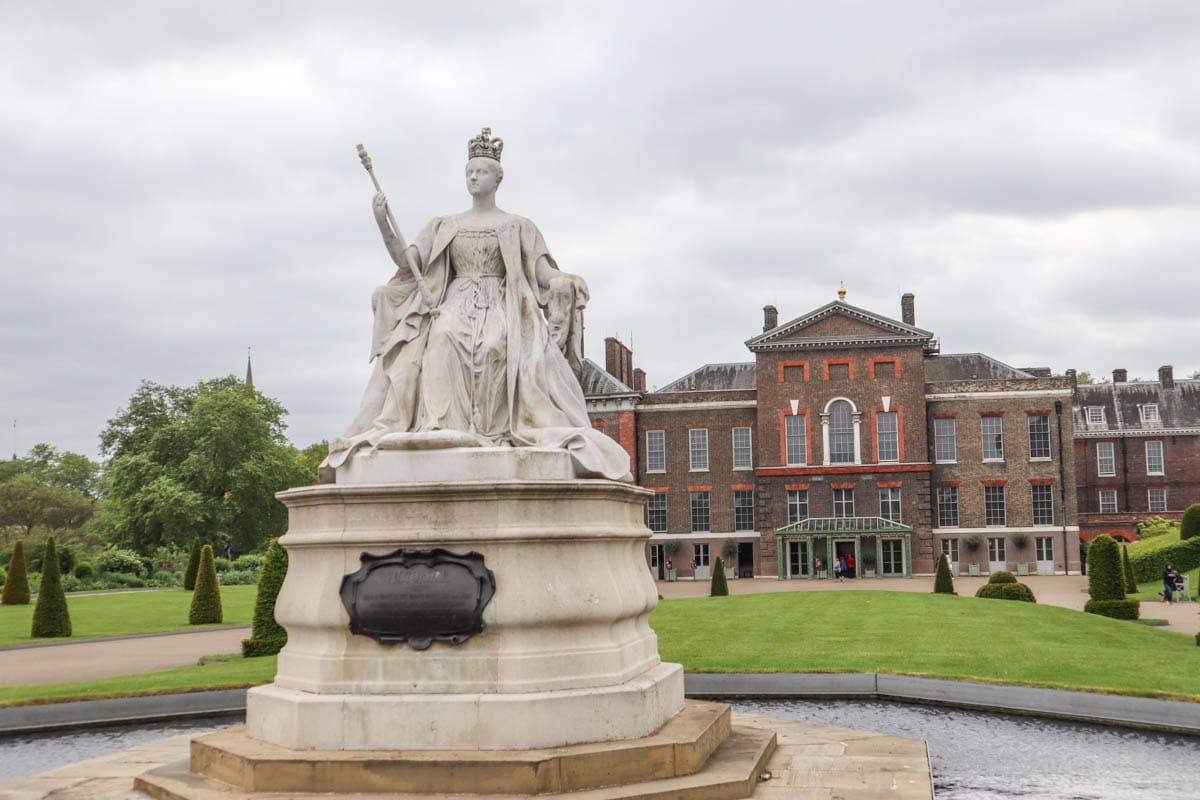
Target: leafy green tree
[[64, 470], [206, 599], [943, 581], [1131, 586], [186, 463], [50, 616], [1189, 526], [719, 587], [193, 566], [16, 586], [27, 504], [268, 637], [310, 458]]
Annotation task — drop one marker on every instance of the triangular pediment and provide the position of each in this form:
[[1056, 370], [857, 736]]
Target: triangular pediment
[[839, 324]]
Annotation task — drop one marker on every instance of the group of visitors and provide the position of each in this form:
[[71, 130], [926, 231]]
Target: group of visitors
[[844, 567]]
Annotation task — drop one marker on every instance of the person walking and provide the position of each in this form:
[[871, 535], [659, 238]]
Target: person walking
[[850, 565]]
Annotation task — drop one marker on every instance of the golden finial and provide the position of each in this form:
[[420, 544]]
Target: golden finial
[[842, 292]]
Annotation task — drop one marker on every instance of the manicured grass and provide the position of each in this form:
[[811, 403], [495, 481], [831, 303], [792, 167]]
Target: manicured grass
[[123, 614], [941, 636]]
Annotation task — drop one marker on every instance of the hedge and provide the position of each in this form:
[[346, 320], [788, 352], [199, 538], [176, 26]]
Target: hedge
[[193, 565], [16, 585], [943, 581], [1117, 609], [50, 616], [1106, 581], [1006, 591], [1002, 576], [1131, 586], [268, 637], [1189, 526], [719, 586], [206, 600], [1149, 558]]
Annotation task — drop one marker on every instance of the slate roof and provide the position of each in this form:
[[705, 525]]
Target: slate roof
[[1178, 408], [597, 382], [715, 378], [969, 366]]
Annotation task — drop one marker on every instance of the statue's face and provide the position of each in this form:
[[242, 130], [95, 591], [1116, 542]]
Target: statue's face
[[483, 176]]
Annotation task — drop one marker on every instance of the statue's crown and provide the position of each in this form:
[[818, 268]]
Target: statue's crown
[[484, 146]]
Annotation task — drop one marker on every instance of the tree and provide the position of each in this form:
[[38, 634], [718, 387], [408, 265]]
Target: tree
[[268, 637], [191, 462], [1131, 586], [943, 581], [1189, 526], [16, 586], [1106, 581], [27, 504], [193, 566], [719, 587], [206, 600], [50, 616]]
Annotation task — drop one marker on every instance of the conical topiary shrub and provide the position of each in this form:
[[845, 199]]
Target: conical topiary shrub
[[193, 566], [1189, 525], [206, 600], [1106, 581], [1131, 586], [719, 586], [50, 616], [268, 637], [943, 581], [16, 586]]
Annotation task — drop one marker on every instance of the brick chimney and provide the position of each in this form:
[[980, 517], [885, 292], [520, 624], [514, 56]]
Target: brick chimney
[[1120, 375], [770, 318], [618, 360], [639, 380], [908, 309], [1166, 376]]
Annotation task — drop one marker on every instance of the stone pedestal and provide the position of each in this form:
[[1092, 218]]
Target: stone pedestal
[[566, 655]]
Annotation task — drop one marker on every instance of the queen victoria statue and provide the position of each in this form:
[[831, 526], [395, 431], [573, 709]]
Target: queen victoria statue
[[476, 338]]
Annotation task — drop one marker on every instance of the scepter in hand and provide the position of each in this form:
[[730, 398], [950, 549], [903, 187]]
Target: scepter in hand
[[426, 295]]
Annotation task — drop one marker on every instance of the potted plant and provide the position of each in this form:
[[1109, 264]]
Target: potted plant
[[672, 548], [868, 560], [729, 551], [972, 544]]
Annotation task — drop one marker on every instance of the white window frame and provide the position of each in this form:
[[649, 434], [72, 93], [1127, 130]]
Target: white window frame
[[827, 435], [700, 554], [1109, 495], [795, 456], [941, 436], [843, 498], [1106, 452], [984, 423], [1094, 415], [797, 499], [737, 506], [1156, 501], [743, 454], [698, 449], [656, 444], [951, 493], [1155, 458], [889, 496], [893, 433], [1045, 504], [657, 498], [695, 507], [1149, 412], [989, 506], [1040, 418]]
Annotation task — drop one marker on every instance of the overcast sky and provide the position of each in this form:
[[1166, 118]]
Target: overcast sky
[[179, 180]]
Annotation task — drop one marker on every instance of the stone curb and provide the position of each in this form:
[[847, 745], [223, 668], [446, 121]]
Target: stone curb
[[65, 642], [1135, 712]]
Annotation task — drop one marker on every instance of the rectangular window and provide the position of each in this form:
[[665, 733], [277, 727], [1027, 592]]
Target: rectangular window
[[1154, 458], [656, 451], [1106, 462], [698, 449], [743, 510], [889, 503], [1043, 547], [950, 548], [797, 505], [993, 438], [945, 441], [887, 435], [700, 512], [843, 502], [795, 440], [1095, 415], [1039, 436], [1108, 501], [993, 505], [743, 453], [1156, 500], [700, 555], [885, 369], [996, 553], [1043, 505], [1149, 412], [656, 512], [947, 506], [838, 372]]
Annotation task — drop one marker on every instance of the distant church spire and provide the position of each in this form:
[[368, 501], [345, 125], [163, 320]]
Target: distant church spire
[[249, 372]]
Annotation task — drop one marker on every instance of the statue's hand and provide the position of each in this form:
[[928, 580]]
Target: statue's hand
[[380, 206]]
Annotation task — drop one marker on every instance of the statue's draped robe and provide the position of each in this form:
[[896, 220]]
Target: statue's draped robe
[[545, 402]]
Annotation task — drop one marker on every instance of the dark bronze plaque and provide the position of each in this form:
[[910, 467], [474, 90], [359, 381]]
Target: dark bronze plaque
[[418, 596]]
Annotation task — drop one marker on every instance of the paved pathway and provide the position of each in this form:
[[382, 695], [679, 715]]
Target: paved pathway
[[87, 661], [1067, 591]]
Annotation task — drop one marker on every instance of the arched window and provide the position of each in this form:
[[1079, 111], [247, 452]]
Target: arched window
[[841, 432]]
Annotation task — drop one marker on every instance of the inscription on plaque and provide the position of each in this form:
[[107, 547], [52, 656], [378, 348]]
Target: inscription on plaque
[[418, 596]]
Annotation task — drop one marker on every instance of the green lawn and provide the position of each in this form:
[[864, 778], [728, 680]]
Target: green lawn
[[937, 636], [1150, 590], [122, 614]]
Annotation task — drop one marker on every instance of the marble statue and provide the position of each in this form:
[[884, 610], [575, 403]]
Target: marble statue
[[476, 338]]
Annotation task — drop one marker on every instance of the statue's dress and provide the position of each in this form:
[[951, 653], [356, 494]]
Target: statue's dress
[[485, 364]]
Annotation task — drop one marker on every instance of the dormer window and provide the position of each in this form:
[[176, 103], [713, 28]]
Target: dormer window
[[1149, 412], [1095, 415]]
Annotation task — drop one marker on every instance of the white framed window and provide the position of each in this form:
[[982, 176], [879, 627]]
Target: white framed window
[[743, 450], [950, 548], [947, 506], [656, 512], [1106, 462], [1039, 437], [887, 435], [700, 555], [1156, 500], [841, 432], [889, 503], [992, 429], [743, 510], [795, 440], [797, 505], [1094, 415], [1043, 504], [656, 451], [1154, 458], [945, 440], [843, 502], [993, 506], [1043, 547], [1149, 412], [1108, 501], [701, 512], [996, 550], [698, 449]]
